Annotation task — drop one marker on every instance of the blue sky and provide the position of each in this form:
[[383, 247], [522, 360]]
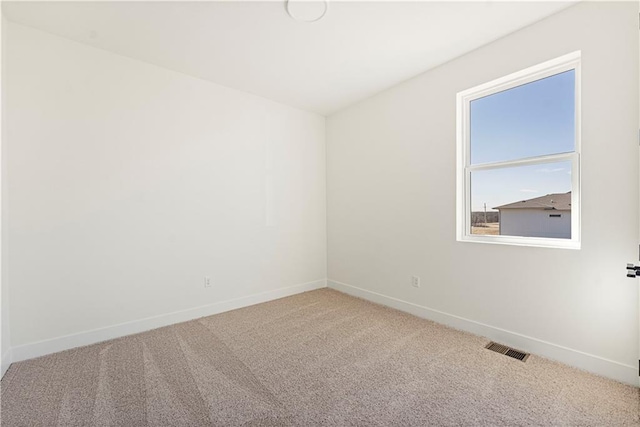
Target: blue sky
[[529, 120]]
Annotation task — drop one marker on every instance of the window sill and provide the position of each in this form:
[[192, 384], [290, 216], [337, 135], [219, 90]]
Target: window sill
[[537, 242]]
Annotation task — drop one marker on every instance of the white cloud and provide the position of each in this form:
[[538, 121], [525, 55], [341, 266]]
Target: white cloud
[[527, 190]]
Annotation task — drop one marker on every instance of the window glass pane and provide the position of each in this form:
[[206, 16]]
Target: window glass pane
[[528, 201], [534, 119]]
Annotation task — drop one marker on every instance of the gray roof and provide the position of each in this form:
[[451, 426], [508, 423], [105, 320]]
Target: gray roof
[[557, 201]]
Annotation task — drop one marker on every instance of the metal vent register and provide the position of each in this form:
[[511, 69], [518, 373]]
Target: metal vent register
[[507, 351]]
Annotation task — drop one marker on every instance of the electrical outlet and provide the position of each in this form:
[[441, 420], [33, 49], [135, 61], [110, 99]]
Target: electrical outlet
[[207, 282], [415, 281]]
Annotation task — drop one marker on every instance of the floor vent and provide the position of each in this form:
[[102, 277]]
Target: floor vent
[[507, 351]]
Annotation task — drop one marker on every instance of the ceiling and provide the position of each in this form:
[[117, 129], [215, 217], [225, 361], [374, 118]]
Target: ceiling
[[355, 51]]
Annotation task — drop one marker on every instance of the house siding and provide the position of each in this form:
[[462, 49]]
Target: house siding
[[535, 223]]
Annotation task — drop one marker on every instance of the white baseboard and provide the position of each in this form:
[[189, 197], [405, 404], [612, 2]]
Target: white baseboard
[[41, 348], [607, 368], [6, 362]]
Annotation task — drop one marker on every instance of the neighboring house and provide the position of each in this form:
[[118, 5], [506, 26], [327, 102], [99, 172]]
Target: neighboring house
[[546, 216]]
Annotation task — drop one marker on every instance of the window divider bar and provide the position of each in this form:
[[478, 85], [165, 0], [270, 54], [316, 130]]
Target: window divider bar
[[552, 158]]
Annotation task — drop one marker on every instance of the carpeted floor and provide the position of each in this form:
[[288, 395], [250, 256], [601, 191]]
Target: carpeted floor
[[318, 358]]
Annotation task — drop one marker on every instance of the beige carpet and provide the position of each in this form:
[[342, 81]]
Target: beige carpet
[[318, 358]]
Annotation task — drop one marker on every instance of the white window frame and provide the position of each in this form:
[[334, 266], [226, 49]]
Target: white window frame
[[464, 168]]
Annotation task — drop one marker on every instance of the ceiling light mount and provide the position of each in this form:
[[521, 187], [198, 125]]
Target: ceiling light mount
[[307, 10]]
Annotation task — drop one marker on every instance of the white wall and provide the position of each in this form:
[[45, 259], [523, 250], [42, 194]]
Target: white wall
[[5, 352], [535, 223], [391, 171], [128, 184]]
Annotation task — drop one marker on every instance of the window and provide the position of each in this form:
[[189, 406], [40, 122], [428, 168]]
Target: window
[[518, 171]]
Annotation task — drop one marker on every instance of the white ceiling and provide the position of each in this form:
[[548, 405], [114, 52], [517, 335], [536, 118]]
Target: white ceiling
[[356, 50]]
